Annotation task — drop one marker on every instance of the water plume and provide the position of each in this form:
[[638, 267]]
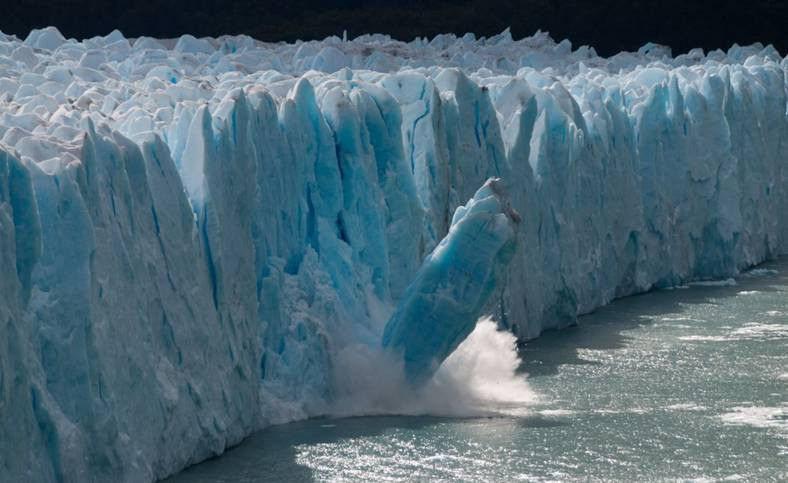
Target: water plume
[[479, 379]]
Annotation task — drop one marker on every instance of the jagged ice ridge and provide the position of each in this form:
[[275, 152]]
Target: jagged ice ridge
[[191, 228]]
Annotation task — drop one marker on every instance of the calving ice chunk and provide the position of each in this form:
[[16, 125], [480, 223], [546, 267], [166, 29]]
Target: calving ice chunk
[[453, 286], [192, 231]]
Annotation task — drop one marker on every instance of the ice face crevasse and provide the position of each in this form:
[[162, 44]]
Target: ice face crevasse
[[454, 284], [193, 231]]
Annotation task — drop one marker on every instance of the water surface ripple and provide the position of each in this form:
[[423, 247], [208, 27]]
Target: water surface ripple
[[688, 383]]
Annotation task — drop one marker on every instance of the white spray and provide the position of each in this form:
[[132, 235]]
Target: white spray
[[479, 379]]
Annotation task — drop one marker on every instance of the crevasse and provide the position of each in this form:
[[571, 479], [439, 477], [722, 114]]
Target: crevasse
[[190, 229]]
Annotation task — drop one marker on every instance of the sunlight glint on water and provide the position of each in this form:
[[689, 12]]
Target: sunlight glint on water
[[677, 384]]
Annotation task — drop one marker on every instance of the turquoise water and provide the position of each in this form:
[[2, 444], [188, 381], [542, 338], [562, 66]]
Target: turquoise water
[[690, 383]]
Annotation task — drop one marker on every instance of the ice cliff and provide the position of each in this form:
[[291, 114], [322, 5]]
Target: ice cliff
[[190, 229]]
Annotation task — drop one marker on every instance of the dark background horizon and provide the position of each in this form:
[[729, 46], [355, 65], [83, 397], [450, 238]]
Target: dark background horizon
[[609, 26]]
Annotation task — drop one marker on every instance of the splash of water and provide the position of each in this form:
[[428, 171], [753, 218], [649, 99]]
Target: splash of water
[[479, 379]]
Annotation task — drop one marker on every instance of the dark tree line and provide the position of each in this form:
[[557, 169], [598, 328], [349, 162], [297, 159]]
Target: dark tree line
[[608, 25]]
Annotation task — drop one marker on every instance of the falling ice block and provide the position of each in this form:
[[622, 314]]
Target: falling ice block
[[442, 304]]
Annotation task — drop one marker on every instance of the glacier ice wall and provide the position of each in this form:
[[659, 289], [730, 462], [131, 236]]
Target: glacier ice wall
[[190, 229]]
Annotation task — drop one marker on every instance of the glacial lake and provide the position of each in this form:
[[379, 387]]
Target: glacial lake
[[689, 384]]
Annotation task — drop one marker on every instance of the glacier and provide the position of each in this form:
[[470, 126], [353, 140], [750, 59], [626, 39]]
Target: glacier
[[192, 229]]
